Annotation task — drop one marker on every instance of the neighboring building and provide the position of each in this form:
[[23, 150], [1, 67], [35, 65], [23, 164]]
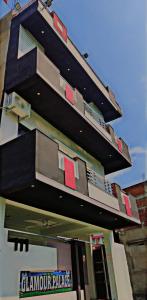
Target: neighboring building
[[135, 241], [58, 214]]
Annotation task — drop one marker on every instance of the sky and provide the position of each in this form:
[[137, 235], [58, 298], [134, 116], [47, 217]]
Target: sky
[[114, 34]]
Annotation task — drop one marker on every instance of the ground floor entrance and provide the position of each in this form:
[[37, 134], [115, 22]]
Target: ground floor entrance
[[102, 281], [45, 256]]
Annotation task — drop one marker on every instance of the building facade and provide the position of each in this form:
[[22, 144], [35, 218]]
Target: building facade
[[58, 214], [135, 241]]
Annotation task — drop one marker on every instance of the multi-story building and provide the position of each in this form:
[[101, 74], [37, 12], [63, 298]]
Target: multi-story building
[[135, 241], [58, 214]]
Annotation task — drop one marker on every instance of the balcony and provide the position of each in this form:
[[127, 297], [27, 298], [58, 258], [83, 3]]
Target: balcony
[[35, 78], [127, 202], [35, 172], [63, 53]]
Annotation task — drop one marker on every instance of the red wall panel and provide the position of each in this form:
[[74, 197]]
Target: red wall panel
[[127, 205], [70, 180], [69, 94], [60, 26], [119, 144]]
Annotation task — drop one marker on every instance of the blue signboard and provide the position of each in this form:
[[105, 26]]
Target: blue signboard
[[43, 283]]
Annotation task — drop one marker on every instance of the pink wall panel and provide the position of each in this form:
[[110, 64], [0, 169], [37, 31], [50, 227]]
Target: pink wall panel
[[70, 180], [60, 26], [69, 94], [119, 144], [127, 205]]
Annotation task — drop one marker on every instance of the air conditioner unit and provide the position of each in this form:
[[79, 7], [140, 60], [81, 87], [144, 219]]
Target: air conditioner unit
[[17, 105]]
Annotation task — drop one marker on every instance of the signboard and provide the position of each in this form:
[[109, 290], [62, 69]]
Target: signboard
[[44, 283], [97, 240]]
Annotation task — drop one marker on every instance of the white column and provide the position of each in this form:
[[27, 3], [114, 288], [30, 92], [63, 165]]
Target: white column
[[122, 278], [107, 242]]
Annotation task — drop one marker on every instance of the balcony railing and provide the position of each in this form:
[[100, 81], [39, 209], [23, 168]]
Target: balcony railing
[[95, 179], [94, 115], [99, 181], [127, 204]]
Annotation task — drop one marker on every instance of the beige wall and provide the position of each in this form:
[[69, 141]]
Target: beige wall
[[103, 197], [9, 125], [136, 251]]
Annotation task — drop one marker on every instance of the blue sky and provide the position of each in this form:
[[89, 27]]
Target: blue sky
[[114, 33]]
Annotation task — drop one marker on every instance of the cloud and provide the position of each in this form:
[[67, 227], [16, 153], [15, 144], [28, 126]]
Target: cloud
[[138, 150], [116, 122]]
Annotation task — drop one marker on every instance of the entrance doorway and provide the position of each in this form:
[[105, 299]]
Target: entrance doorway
[[101, 273]]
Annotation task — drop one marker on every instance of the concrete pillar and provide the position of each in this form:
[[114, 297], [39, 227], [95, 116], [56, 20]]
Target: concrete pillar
[[9, 125], [2, 212], [2, 242], [91, 277], [107, 242], [5, 23]]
